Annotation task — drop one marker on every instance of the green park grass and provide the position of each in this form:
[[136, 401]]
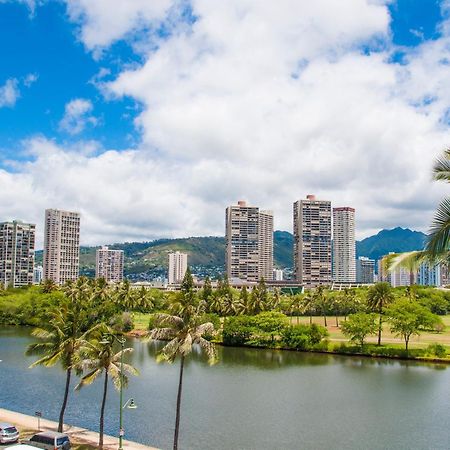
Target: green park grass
[[141, 321]]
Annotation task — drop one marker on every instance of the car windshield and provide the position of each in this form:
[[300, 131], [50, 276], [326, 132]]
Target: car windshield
[[62, 440], [10, 430]]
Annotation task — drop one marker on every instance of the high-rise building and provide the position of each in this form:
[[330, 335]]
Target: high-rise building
[[61, 245], [344, 245], [16, 253], [109, 264], [177, 267], [429, 275], [277, 275], [365, 270], [249, 242], [38, 274], [312, 241]]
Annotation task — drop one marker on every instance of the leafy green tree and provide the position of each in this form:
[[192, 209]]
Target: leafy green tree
[[359, 326], [303, 337], [409, 318], [378, 297], [182, 332], [96, 356], [48, 286], [238, 330], [243, 305], [271, 323], [207, 291]]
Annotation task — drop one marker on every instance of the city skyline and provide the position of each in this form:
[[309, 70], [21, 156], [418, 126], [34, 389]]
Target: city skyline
[[353, 107]]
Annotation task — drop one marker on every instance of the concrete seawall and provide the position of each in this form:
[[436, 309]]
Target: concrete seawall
[[77, 435]]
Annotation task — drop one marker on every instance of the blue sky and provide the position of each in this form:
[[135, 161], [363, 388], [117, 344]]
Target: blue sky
[[181, 87]]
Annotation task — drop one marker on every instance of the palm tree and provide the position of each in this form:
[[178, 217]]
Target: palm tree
[[321, 301], [296, 306], [437, 248], [379, 296], [183, 330], [96, 357], [308, 304], [61, 338]]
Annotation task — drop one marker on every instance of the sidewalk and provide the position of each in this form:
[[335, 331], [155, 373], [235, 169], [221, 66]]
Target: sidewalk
[[77, 435]]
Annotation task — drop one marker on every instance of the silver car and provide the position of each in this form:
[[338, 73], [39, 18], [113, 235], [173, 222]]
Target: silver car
[[8, 433], [50, 440]]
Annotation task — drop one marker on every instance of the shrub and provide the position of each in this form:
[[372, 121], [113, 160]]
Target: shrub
[[238, 330], [437, 350], [304, 337]]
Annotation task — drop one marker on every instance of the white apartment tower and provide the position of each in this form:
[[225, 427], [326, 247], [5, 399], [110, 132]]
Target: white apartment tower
[[109, 264], [61, 245], [177, 267], [16, 253], [249, 242], [344, 245], [312, 242]]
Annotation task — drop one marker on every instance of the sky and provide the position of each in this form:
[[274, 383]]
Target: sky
[[150, 117]]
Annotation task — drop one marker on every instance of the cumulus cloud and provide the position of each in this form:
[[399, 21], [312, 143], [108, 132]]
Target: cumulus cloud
[[263, 101], [9, 93], [77, 116], [102, 22]]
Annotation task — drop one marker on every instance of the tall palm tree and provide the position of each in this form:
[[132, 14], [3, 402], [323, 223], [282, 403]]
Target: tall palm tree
[[437, 247], [97, 357], [182, 333], [379, 296], [321, 301], [61, 337], [308, 304], [183, 329]]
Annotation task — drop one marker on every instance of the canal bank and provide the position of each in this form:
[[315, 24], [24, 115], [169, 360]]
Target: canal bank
[[78, 435]]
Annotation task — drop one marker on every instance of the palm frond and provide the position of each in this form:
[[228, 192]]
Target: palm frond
[[407, 260], [167, 320], [439, 234], [209, 348], [441, 168], [205, 328], [88, 378], [162, 334]]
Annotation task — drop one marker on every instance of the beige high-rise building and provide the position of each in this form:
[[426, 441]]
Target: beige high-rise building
[[61, 245], [177, 267], [109, 264], [312, 241], [16, 253], [344, 245], [249, 242]]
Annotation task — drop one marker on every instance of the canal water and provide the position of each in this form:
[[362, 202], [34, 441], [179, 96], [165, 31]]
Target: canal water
[[251, 399]]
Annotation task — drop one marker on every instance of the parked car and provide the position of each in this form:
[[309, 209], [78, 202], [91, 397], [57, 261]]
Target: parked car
[[50, 440], [8, 433]]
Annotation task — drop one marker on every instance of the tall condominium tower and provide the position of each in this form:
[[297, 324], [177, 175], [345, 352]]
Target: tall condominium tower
[[61, 245], [109, 264], [344, 245], [312, 241], [177, 267], [365, 270], [249, 242], [16, 253]]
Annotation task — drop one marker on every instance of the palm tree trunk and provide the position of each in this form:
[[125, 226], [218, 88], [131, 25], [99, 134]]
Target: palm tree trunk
[[325, 320], [379, 330], [177, 419], [102, 410], [310, 317], [298, 319], [337, 321], [66, 395]]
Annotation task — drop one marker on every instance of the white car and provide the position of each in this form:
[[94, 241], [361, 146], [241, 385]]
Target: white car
[[21, 447], [8, 433]]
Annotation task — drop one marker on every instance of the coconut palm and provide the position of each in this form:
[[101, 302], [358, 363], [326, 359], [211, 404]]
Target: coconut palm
[[61, 337], [308, 304], [379, 296], [437, 247], [97, 357], [321, 301], [183, 329]]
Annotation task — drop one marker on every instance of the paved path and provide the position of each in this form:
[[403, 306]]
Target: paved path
[[77, 435]]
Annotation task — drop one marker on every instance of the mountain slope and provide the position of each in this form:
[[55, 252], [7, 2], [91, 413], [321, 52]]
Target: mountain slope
[[396, 240]]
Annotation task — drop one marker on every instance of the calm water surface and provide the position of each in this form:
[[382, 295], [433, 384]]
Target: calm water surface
[[252, 399]]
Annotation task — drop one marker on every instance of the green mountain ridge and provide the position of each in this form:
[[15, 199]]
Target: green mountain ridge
[[209, 251]]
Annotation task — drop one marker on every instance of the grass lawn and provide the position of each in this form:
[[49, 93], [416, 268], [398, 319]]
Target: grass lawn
[[141, 321]]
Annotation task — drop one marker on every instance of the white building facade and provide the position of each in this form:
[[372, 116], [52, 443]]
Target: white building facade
[[177, 267], [344, 245], [109, 264]]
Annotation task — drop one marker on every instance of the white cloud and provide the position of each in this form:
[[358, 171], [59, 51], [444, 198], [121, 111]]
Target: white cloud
[[264, 101], [103, 22], [30, 79], [77, 116], [9, 93]]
